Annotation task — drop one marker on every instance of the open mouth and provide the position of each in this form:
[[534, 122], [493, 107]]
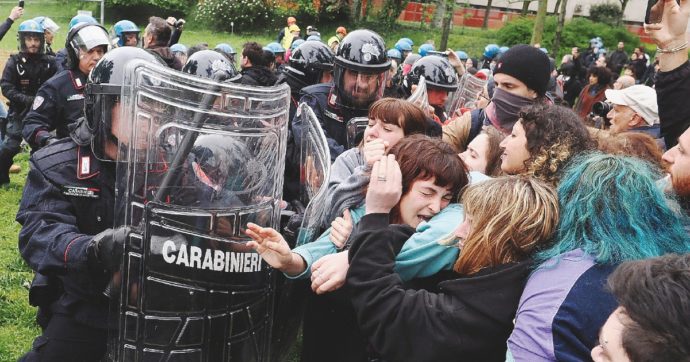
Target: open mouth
[[424, 217]]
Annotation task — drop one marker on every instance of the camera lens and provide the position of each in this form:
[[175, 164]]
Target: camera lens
[[601, 109]]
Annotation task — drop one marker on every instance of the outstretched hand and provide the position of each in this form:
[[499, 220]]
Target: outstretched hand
[[270, 245], [385, 186]]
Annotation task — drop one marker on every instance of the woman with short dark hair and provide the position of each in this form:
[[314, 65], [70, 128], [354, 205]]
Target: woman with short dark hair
[[599, 81]]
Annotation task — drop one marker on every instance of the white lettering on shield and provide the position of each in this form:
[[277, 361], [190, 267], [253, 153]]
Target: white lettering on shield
[[208, 259]]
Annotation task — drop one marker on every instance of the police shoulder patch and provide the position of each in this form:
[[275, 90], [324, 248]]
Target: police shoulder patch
[[37, 102]]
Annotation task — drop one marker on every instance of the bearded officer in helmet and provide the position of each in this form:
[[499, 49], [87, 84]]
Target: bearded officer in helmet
[[66, 213], [360, 70], [60, 101]]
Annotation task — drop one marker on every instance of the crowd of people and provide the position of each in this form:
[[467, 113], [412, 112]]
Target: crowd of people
[[476, 216]]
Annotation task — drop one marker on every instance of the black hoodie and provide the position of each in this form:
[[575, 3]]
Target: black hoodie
[[164, 53], [256, 75], [469, 319]]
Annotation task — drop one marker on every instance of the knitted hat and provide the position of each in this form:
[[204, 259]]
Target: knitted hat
[[528, 65]]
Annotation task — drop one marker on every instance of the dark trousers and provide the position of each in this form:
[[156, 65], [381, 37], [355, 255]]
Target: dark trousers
[[66, 340], [10, 146]]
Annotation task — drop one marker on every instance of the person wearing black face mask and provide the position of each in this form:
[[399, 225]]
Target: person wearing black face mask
[[521, 77]]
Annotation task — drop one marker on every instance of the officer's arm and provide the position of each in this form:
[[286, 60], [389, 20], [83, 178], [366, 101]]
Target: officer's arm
[[39, 122], [9, 85], [333, 145], [50, 241]]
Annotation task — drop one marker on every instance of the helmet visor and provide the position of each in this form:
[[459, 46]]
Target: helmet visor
[[359, 89], [89, 38]]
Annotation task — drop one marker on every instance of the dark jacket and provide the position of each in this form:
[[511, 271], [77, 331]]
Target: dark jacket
[[469, 319], [672, 89], [21, 79], [167, 56], [257, 76], [5, 27], [617, 61], [68, 197], [62, 103]]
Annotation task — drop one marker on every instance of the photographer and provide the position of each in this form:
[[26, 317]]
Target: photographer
[[599, 79]]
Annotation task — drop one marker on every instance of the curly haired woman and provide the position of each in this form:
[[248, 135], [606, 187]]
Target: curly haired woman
[[542, 142]]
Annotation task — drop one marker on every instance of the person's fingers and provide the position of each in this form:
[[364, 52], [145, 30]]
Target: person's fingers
[[375, 169], [347, 216], [317, 264], [383, 168], [253, 235], [329, 285]]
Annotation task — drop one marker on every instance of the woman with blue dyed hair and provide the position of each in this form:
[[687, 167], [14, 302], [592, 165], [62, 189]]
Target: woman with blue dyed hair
[[611, 212]]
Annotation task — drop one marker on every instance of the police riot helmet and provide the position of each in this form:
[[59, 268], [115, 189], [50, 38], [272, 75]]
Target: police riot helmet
[[82, 19], [275, 48], [503, 49], [228, 51], [408, 41], [437, 71], [209, 64], [461, 55], [360, 69], [124, 27], [490, 51], [308, 63], [178, 48], [403, 46], [81, 39], [102, 93], [27, 29], [424, 49], [296, 43], [47, 23], [394, 54]]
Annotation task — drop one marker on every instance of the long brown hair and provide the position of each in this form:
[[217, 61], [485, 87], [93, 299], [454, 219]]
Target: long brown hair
[[511, 216]]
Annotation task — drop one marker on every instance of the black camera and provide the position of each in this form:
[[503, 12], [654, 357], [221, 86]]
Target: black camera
[[601, 109]]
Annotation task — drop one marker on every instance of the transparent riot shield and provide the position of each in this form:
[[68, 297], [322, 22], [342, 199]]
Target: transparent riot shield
[[420, 97], [466, 95], [197, 161], [314, 171]]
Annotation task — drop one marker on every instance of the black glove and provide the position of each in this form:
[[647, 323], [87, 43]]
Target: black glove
[[106, 248]]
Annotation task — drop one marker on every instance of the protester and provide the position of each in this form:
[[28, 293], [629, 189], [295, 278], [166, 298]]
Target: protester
[[624, 81], [432, 176], [565, 302], [635, 144], [484, 153], [618, 59], [651, 322], [255, 65], [157, 36], [521, 76], [473, 311], [389, 121], [543, 141], [634, 109]]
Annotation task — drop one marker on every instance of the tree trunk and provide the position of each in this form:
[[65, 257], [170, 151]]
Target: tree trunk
[[559, 29], [538, 31], [624, 4], [356, 10], [555, 8], [440, 12], [485, 24], [525, 7], [446, 25]]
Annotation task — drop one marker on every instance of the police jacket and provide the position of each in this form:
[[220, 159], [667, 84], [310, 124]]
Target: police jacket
[[68, 198], [58, 103], [322, 99], [60, 59], [464, 318], [22, 77]]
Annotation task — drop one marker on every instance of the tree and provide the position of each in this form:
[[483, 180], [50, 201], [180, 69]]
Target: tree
[[485, 24], [624, 3], [559, 29], [525, 7], [447, 20], [538, 31], [439, 13]]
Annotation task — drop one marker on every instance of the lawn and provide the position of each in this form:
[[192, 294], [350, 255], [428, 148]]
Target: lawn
[[17, 327]]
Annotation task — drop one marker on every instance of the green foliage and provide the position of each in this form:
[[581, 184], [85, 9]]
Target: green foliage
[[161, 4], [243, 13], [607, 13], [390, 11], [576, 32]]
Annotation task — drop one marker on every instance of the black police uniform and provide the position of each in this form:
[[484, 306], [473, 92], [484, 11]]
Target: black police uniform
[[21, 79], [62, 103], [68, 197], [60, 58], [322, 98]]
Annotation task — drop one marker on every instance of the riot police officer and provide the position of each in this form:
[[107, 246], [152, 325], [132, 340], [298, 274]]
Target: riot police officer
[[441, 78], [126, 33], [23, 75], [60, 100], [209, 64], [50, 29], [360, 72], [61, 55], [66, 215]]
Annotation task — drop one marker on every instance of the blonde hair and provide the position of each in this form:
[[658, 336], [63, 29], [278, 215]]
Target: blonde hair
[[511, 217]]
